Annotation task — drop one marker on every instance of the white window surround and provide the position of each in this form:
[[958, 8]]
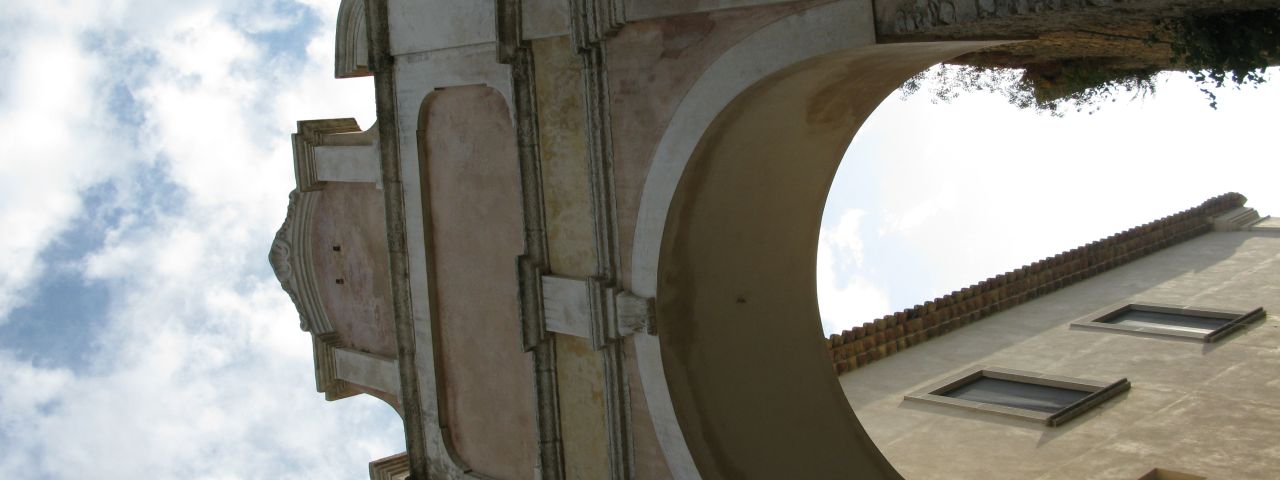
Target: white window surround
[[1231, 320], [1096, 392]]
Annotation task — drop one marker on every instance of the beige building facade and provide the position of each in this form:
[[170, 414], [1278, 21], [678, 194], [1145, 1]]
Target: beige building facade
[[1209, 410], [575, 225]]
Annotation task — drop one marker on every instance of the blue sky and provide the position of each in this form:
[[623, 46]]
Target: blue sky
[[145, 166]]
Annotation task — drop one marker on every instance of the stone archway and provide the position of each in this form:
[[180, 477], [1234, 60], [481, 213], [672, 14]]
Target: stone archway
[[737, 378]]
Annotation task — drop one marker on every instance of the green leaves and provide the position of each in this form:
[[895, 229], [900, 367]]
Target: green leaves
[[1234, 47], [1216, 49]]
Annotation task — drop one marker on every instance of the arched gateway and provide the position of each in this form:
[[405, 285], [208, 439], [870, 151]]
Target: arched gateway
[[579, 242]]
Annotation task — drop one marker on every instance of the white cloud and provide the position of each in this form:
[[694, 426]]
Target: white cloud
[[971, 189], [54, 141], [845, 298], [198, 368]]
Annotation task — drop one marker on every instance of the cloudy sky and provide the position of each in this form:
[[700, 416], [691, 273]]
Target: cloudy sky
[[144, 168], [145, 165]]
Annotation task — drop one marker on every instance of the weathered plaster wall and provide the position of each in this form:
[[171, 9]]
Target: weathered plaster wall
[[472, 180], [1207, 409], [349, 241], [571, 248], [646, 9], [544, 18], [417, 27], [652, 65], [650, 462], [563, 146]]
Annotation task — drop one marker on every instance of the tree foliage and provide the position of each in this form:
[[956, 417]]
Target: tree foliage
[[1082, 85], [1217, 49], [1235, 47]]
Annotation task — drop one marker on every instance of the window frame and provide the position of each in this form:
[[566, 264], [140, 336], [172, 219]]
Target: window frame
[[1097, 392], [1235, 320], [1166, 474]]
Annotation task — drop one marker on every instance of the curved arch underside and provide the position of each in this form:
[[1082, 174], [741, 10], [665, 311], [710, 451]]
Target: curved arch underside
[[739, 330]]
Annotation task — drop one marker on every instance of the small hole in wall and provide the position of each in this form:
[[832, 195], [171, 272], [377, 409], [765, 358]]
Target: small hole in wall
[[337, 248], [339, 281]]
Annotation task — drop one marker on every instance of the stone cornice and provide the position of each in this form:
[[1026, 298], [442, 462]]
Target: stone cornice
[[324, 348], [312, 134], [351, 54], [395, 467], [290, 258]]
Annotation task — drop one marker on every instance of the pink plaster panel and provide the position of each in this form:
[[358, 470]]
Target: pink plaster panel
[[471, 174], [349, 248]]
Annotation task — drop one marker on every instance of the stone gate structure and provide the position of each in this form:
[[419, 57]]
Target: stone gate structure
[[579, 241]]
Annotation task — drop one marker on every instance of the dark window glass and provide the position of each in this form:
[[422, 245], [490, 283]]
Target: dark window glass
[[1168, 321], [1028, 396]]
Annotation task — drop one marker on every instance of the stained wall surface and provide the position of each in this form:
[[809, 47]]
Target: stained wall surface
[[652, 66], [571, 248], [1206, 409], [471, 176], [349, 245]]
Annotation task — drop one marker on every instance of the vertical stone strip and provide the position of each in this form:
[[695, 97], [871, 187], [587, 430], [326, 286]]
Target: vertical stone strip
[[592, 21], [562, 149], [382, 63], [513, 50]]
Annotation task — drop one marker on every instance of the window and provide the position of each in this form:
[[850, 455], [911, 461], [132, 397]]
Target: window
[[1047, 399], [1175, 321], [1166, 474]]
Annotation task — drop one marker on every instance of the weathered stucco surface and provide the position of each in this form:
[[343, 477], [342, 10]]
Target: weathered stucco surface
[[643, 9], [473, 194], [1207, 409], [563, 148], [419, 26], [653, 65], [349, 244], [649, 460], [571, 248]]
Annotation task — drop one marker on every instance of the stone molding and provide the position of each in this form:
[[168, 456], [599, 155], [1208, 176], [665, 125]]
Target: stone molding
[[922, 15], [622, 313], [417, 438], [334, 150], [570, 304], [367, 370], [1235, 220], [885, 336], [351, 53], [291, 260], [515, 52], [324, 347], [591, 23], [395, 467], [593, 20]]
